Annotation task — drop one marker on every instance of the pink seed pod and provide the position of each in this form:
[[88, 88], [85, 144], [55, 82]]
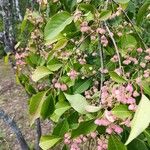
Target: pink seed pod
[[139, 50], [63, 87], [132, 107], [57, 85], [101, 30], [129, 88], [143, 65], [117, 129], [109, 130], [93, 134]]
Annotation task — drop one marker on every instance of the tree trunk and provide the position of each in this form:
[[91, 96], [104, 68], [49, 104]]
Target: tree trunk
[[18, 10], [7, 23]]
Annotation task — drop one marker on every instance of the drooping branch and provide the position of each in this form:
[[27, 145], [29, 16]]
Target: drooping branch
[[11, 123]]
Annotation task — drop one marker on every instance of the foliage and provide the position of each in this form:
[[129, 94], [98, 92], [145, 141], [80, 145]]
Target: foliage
[[88, 72]]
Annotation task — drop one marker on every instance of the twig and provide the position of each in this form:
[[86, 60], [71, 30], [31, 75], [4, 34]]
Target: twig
[[38, 134], [145, 46], [102, 64], [12, 124], [115, 45]]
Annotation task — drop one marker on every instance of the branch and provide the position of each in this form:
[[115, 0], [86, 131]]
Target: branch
[[145, 46], [115, 45], [102, 64], [38, 134], [11, 123]]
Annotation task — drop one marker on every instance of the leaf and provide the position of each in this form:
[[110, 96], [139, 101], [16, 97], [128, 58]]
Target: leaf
[[40, 72], [73, 120], [54, 65], [128, 41], [146, 87], [115, 144], [105, 14], [137, 144], [121, 111], [141, 119], [61, 128], [84, 128], [122, 1], [60, 108], [92, 109], [69, 4], [48, 107], [78, 102], [147, 134], [82, 86], [30, 89], [87, 7], [46, 142], [56, 24], [60, 44], [142, 11], [116, 77], [35, 106]]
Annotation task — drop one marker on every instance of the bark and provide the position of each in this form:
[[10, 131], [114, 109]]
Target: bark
[[18, 12], [7, 23], [1, 37], [38, 134], [11, 123]]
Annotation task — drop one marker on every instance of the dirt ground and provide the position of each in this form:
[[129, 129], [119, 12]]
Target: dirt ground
[[13, 100]]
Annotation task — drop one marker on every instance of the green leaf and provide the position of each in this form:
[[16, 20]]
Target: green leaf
[[122, 1], [35, 106], [105, 14], [56, 24], [40, 72], [30, 89], [60, 44], [78, 102], [61, 128], [137, 144], [128, 41], [92, 109], [142, 11], [141, 119], [82, 86], [60, 108], [115, 144], [146, 87], [116, 77], [54, 65], [87, 8], [46, 142], [69, 4], [121, 111], [73, 120], [147, 134], [48, 107], [84, 128]]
